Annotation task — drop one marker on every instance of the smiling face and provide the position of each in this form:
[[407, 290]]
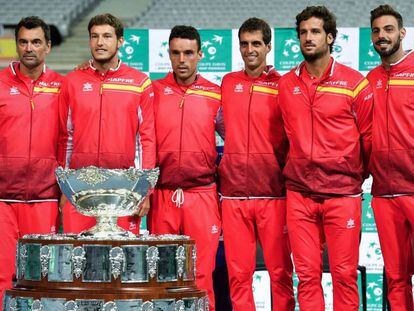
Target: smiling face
[[104, 44], [184, 55], [32, 47], [386, 36], [253, 51], [314, 41]]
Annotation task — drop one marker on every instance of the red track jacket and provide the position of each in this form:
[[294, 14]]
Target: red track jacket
[[392, 159], [106, 120], [185, 120], [329, 129], [28, 135], [255, 144]]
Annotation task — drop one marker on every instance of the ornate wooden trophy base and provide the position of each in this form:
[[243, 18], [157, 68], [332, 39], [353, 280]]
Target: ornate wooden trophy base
[[80, 273]]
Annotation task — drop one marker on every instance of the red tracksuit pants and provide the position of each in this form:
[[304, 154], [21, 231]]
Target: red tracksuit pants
[[395, 223], [245, 222], [198, 217], [16, 220], [338, 222], [74, 222]]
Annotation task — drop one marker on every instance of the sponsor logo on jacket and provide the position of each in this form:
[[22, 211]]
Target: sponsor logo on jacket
[[335, 83], [122, 80], [405, 75]]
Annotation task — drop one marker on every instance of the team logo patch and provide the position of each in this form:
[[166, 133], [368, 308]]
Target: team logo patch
[[238, 88], [168, 91], [296, 90], [379, 84], [14, 90], [214, 229], [350, 223], [87, 87]]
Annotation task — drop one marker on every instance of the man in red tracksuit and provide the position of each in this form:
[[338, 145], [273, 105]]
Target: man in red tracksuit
[[327, 112], [392, 153], [185, 199], [252, 186], [28, 144], [106, 116]]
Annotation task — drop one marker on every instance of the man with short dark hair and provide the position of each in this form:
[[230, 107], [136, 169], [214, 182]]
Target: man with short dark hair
[[106, 116], [252, 186], [327, 112], [186, 115], [28, 144], [392, 153]]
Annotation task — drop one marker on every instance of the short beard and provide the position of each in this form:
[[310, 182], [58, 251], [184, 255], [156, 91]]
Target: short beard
[[105, 60], [310, 58], [388, 53]]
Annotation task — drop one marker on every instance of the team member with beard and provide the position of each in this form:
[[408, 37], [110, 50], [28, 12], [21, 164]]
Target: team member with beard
[[186, 115], [28, 144], [106, 116], [252, 185], [327, 111], [392, 153]]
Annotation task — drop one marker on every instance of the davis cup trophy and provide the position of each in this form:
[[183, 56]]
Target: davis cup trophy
[[106, 194], [105, 268]]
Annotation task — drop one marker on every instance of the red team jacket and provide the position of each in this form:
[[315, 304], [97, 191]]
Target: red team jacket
[[113, 118], [392, 158], [255, 144], [28, 135], [185, 123], [329, 130]]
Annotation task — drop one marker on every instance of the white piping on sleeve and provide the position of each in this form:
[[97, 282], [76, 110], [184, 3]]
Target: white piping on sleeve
[[69, 145], [138, 145]]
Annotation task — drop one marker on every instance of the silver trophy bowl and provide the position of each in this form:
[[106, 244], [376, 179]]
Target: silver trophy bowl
[[106, 194]]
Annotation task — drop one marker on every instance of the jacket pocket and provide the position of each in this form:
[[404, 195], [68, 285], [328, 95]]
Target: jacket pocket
[[233, 174], [264, 177]]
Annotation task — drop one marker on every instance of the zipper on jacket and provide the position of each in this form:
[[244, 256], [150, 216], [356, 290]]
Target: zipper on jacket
[[181, 106], [30, 143], [311, 101], [248, 130], [100, 124], [387, 88]]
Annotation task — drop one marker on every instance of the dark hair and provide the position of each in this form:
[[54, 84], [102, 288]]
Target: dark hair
[[185, 32], [256, 24], [107, 19], [321, 12], [386, 9], [32, 22]]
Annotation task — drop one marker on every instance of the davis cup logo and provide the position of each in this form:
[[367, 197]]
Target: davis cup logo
[[134, 51], [163, 52], [291, 48], [217, 50], [209, 46], [287, 49], [128, 48]]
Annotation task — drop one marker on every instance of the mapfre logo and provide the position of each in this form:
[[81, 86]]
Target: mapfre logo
[[87, 87], [14, 90]]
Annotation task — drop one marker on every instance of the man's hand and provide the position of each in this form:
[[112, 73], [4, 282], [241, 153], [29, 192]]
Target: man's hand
[[82, 66], [143, 211], [62, 202]]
